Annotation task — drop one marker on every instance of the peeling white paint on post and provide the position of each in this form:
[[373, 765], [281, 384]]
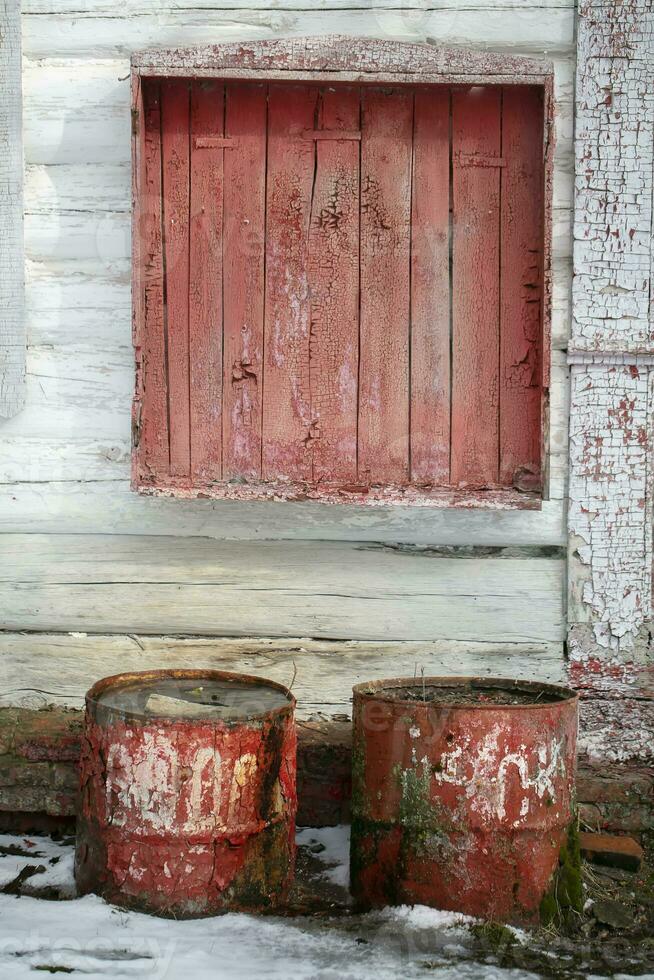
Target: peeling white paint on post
[[12, 288], [610, 508], [610, 516]]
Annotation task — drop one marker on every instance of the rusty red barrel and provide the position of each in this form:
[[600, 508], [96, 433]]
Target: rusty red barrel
[[462, 793], [188, 794]]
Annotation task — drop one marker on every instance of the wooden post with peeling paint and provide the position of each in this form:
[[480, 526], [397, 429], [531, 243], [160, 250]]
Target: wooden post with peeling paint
[[612, 376]]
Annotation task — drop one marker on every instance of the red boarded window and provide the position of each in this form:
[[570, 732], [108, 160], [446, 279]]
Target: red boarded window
[[340, 289]]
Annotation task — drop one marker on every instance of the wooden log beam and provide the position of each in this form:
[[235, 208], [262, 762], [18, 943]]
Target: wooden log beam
[[38, 775], [12, 286]]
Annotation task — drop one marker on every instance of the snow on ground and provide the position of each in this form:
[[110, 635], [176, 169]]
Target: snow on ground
[[90, 938], [17, 853], [87, 938], [331, 845]]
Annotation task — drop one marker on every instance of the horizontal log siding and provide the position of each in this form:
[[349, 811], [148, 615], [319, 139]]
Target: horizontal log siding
[[64, 461]]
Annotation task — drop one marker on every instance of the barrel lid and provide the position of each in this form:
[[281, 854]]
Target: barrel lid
[[189, 696], [466, 692]]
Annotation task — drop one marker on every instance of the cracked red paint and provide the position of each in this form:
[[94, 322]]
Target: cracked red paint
[[299, 384], [462, 807], [187, 817]]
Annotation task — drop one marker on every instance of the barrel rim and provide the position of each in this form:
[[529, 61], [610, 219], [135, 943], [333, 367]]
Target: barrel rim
[[374, 691], [192, 673]]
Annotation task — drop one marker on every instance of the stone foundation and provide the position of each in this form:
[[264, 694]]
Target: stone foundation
[[38, 776]]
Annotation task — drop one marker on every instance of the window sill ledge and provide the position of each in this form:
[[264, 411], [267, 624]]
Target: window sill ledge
[[440, 497]]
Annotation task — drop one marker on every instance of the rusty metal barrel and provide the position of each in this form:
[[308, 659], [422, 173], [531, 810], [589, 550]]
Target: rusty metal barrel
[[188, 795], [462, 793]]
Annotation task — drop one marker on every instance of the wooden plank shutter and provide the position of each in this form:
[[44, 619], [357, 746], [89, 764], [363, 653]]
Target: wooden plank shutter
[[333, 269], [243, 280], [341, 288], [387, 123], [430, 289], [521, 284], [175, 115], [206, 281], [153, 425], [476, 162]]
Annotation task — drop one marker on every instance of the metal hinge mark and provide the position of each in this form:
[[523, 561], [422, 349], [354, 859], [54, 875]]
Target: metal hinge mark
[[480, 160], [331, 134], [214, 143]]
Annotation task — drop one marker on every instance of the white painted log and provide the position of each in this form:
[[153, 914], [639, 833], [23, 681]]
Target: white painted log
[[88, 187], [12, 302], [153, 584], [78, 507], [77, 423], [106, 8], [59, 235], [42, 669], [530, 31], [101, 187], [77, 303], [78, 112], [81, 459]]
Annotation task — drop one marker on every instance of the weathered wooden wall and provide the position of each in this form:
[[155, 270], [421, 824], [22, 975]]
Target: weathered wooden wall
[[64, 461], [451, 590], [12, 307]]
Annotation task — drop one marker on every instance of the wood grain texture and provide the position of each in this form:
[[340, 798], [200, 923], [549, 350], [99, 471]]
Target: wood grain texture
[[333, 270], [12, 256], [387, 128], [153, 442], [156, 584], [57, 669], [175, 108], [243, 287], [521, 286], [476, 132], [206, 282], [287, 420], [105, 505], [430, 289]]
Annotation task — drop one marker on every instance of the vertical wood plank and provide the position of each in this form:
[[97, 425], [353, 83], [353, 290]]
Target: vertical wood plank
[[476, 140], [386, 138], [175, 145], [12, 250], [138, 256], [151, 341], [430, 288], [521, 284], [205, 283], [334, 289], [287, 420], [243, 287]]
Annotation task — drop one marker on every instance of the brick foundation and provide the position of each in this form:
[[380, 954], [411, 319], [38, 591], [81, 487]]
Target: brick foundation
[[38, 776]]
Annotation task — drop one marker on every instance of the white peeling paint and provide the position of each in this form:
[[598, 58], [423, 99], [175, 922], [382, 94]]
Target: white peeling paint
[[611, 458], [483, 769], [144, 777]]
